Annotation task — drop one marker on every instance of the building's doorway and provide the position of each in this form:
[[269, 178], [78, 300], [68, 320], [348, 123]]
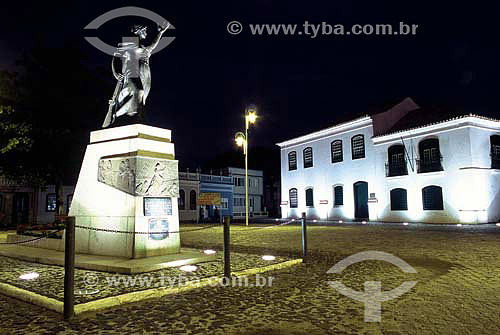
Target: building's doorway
[[20, 209], [361, 200]]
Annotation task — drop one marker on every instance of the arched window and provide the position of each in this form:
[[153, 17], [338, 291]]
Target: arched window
[[294, 201], [292, 161], [51, 202], [337, 154], [399, 200], [338, 195], [308, 157], [182, 200], [495, 151], [396, 164], [309, 197], [432, 198], [429, 156], [192, 200], [358, 146]]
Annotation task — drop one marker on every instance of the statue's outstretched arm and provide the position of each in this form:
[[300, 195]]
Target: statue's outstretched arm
[[158, 37], [114, 65]]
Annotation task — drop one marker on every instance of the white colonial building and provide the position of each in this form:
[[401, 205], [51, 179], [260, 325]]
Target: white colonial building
[[405, 164]]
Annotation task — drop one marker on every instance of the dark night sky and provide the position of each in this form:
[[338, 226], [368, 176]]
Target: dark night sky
[[203, 80]]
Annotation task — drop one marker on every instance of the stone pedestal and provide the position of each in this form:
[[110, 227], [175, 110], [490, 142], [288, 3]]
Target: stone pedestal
[[128, 182]]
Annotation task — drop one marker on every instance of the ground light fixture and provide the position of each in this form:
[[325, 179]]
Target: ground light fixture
[[188, 268], [459, 225], [363, 222], [268, 258], [405, 223], [315, 220], [209, 252], [340, 221], [29, 276], [498, 224]]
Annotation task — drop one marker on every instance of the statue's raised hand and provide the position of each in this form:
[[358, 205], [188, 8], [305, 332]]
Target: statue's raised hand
[[163, 27]]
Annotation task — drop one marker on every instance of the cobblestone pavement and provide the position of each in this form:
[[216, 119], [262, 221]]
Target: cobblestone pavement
[[50, 282], [458, 289]]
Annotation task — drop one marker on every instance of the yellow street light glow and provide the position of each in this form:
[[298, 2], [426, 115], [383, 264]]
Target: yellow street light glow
[[209, 252], [188, 268], [252, 117], [240, 139], [268, 258], [29, 276]]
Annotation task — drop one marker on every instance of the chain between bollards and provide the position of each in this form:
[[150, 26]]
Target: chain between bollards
[[304, 238], [69, 269], [227, 260]]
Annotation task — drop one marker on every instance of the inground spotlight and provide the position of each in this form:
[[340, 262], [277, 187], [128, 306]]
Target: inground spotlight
[[405, 223], [315, 220], [459, 225], [29, 276], [188, 268], [498, 224], [268, 258], [209, 252], [363, 222], [340, 221]]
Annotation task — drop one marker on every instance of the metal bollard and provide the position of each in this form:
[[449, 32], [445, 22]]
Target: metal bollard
[[69, 268], [227, 259], [304, 238]]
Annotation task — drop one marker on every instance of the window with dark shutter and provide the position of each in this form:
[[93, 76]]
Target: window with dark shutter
[[432, 198], [495, 151], [309, 197], [308, 157], [358, 146], [182, 200], [294, 201], [337, 155], [192, 200], [292, 161], [338, 195], [399, 200]]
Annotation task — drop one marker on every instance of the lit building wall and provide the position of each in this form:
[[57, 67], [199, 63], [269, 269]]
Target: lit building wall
[[470, 187]]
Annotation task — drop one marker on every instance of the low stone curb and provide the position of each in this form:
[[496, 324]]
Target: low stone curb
[[32, 298], [109, 302]]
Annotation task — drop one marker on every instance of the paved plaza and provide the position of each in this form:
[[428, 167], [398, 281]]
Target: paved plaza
[[458, 288]]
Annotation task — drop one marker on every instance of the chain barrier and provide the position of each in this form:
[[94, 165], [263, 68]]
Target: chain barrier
[[35, 239], [140, 232]]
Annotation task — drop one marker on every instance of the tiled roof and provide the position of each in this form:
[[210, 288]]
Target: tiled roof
[[420, 119]]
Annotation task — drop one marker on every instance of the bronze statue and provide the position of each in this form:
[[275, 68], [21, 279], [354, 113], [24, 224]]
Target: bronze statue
[[134, 80]]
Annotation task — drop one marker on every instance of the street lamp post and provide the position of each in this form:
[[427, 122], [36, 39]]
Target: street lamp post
[[242, 141]]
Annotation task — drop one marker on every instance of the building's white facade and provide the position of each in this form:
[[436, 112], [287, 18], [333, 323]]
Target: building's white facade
[[255, 191], [451, 165]]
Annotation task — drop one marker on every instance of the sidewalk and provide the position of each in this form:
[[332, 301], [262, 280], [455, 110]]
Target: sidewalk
[[106, 263]]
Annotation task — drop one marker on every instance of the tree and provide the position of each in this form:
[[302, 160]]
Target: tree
[[55, 101]]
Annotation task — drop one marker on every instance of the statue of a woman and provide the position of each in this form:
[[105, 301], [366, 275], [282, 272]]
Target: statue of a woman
[[134, 79]]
